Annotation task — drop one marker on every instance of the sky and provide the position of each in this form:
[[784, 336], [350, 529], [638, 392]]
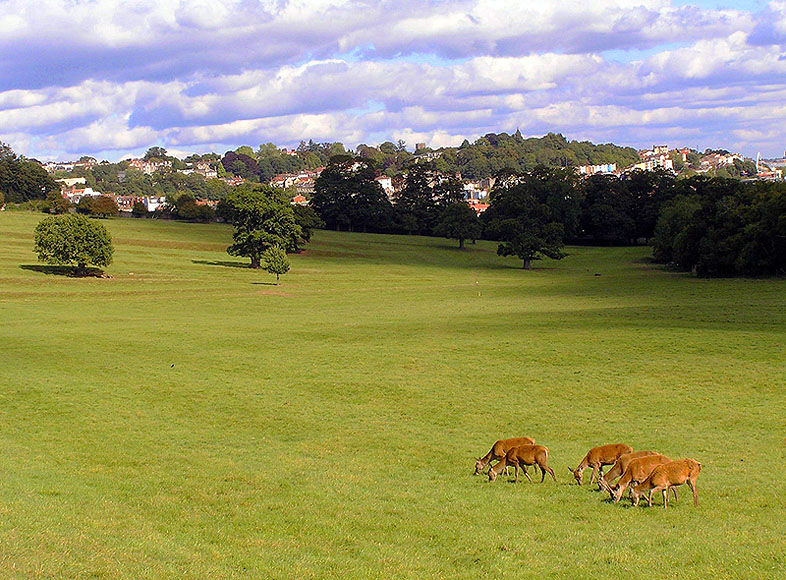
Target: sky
[[111, 78]]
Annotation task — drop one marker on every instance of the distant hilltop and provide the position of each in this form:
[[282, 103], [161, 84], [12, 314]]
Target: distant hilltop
[[210, 175]]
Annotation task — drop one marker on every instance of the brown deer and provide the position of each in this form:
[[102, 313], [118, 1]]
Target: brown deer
[[619, 468], [498, 451], [522, 456], [666, 476], [637, 471], [597, 458]]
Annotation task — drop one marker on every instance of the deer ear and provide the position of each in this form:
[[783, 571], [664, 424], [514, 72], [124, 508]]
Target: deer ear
[[569, 469]]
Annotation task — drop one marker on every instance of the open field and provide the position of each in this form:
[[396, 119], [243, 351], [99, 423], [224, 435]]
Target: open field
[[189, 420]]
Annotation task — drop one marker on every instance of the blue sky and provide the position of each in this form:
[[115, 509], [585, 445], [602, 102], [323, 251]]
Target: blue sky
[[110, 79]]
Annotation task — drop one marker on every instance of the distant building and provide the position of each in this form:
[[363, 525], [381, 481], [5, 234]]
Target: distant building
[[474, 191], [155, 202], [149, 167], [70, 182], [593, 169], [74, 195], [387, 185], [479, 207]]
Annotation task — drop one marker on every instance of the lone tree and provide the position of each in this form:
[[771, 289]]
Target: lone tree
[[276, 261], [104, 206], [263, 217], [458, 221], [73, 240], [526, 226]]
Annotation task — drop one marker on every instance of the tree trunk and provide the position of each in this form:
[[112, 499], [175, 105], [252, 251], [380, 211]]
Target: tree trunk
[[527, 264], [81, 269], [255, 262], [461, 243], [276, 279]]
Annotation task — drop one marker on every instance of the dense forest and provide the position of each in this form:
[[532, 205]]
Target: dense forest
[[22, 180]]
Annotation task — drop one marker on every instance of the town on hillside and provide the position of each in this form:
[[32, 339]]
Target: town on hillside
[[146, 183]]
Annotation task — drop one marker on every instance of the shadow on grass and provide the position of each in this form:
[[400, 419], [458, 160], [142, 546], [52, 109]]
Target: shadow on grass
[[69, 271], [225, 264], [264, 283]]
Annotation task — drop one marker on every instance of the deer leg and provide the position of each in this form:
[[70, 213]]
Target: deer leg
[[674, 493], [692, 485], [516, 469], [649, 498], [527, 474], [594, 474], [665, 492]]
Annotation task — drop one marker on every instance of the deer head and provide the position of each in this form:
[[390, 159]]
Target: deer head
[[577, 473], [492, 475]]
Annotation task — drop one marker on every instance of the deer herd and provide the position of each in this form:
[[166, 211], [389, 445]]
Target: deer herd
[[640, 472]]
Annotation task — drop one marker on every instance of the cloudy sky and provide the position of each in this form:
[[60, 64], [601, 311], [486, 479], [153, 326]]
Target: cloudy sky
[[111, 78]]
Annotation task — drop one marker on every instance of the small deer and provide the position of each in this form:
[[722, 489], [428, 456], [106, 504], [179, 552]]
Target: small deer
[[498, 451], [666, 476], [619, 468], [637, 471], [522, 456], [597, 458]]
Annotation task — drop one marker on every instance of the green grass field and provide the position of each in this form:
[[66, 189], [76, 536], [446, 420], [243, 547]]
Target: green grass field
[[187, 419]]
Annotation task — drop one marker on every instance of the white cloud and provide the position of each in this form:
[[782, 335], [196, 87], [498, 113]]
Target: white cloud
[[195, 73]]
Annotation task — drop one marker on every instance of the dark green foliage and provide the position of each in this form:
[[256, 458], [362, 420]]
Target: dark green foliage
[[263, 218], [139, 209], [648, 191], [104, 206], [526, 225], [724, 227], [156, 154], [415, 204], [55, 203], [425, 194], [241, 165], [307, 219], [675, 216], [85, 205], [22, 180], [458, 221], [560, 189], [183, 206], [607, 210], [493, 153], [346, 196], [73, 240]]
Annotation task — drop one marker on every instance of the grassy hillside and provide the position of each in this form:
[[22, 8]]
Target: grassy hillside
[[187, 419]]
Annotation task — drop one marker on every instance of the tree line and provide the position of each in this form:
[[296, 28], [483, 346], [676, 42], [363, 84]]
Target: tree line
[[724, 227], [22, 180], [712, 225]]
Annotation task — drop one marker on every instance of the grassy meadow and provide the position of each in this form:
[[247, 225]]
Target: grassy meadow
[[188, 419]]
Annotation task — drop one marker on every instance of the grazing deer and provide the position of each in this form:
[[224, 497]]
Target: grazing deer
[[498, 451], [597, 458], [619, 468], [522, 456], [666, 476], [637, 471]]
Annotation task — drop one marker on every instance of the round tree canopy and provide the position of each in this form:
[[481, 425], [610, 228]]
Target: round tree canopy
[[73, 240]]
